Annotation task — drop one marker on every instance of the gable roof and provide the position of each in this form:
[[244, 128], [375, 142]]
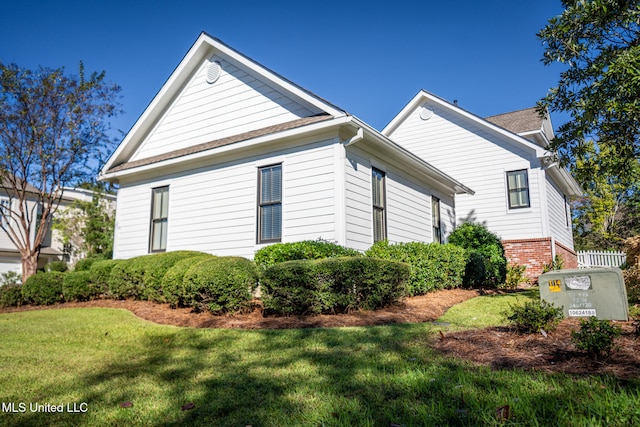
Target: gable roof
[[503, 125], [424, 96], [204, 48]]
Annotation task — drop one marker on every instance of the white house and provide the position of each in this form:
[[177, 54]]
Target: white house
[[521, 191], [230, 156], [53, 248]]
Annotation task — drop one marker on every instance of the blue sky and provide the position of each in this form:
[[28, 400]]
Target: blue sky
[[369, 58]]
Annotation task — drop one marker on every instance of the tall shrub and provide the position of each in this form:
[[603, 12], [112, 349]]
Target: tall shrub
[[433, 266], [173, 288], [486, 263]]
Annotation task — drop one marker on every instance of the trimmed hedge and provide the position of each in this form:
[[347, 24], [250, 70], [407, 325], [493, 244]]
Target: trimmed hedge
[[78, 286], [306, 249], [101, 271], [333, 285], [84, 264], [11, 295], [43, 288], [220, 284], [433, 266], [486, 263], [172, 282], [141, 277]]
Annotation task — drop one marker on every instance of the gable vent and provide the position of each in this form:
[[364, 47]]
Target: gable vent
[[213, 72], [426, 113]]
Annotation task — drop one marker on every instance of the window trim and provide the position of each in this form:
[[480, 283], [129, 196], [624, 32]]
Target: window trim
[[5, 203], [381, 208], [260, 205], [435, 200], [153, 221], [514, 190]]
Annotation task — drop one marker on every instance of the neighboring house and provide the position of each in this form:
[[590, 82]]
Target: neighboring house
[[522, 193], [53, 248], [230, 157]]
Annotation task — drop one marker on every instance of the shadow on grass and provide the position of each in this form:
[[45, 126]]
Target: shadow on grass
[[377, 376]]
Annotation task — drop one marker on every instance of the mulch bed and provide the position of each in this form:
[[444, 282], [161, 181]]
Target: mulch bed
[[498, 347], [424, 308], [504, 348]]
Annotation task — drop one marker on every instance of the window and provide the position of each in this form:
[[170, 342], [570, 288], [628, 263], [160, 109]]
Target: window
[[378, 201], [270, 204], [5, 205], [159, 219], [435, 219], [518, 189]]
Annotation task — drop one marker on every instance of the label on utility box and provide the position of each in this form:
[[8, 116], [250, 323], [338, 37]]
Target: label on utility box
[[588, 312], [581, 283]]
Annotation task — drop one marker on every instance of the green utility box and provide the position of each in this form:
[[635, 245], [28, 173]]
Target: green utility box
[[587, 292]]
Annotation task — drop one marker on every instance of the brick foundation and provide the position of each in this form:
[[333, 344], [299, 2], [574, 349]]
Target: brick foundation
[[534, 253]]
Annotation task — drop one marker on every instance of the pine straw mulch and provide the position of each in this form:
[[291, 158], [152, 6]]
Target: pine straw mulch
[[498, 347], [424, 308], [504, 348]]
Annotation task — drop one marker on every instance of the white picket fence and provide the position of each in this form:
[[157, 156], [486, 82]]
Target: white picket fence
[[589, 259]]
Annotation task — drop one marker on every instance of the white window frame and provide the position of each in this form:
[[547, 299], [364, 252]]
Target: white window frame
[[159, 221], [526, 188]]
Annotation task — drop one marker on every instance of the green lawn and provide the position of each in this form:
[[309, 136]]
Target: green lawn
[[372, 376]]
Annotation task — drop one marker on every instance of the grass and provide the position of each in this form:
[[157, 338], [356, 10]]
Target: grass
[[486, 311], [371, 376]]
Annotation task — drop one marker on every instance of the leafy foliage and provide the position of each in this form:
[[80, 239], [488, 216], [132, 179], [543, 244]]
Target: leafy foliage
[[557, 263], [60, 266], [433, 266], [533, 316], [11, 295], [306, 249], [88, 226], [9, 278], [79, 286], [52, 131], [515, 276], [598, 41], [220, 284], [333, 285], [596, 337], [632, 272], [43, 288], [173, 287], [486, 263]]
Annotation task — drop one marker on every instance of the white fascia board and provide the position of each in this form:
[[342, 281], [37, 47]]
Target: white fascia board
[[407, 156], [291, 133], [564, 179], [204, 47], [424, 96]]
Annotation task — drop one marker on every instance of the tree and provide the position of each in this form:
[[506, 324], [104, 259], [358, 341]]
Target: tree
[[599, 42], [53, 133], [87, 226]]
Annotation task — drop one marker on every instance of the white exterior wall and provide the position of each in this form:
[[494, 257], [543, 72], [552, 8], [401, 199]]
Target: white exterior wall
[[479, 159], [214, 209], [408, 203], [202, 112], [559, 215]]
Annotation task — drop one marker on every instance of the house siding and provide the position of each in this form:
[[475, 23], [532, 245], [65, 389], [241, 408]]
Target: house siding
[[203, 112], [559, 218], [487, 157], [408, 203], [214, 209]]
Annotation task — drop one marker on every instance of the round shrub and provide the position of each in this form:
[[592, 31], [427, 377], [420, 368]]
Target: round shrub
[[78, 286], [172, 282], [433, 266], [43, 288], [486, 263], [100, 272], [306, 249], [289, 287], [333, 285], [11, 295], [596, 337], [220, 284], [56, 266], [535, 315], [84, 264], [141, 277]]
